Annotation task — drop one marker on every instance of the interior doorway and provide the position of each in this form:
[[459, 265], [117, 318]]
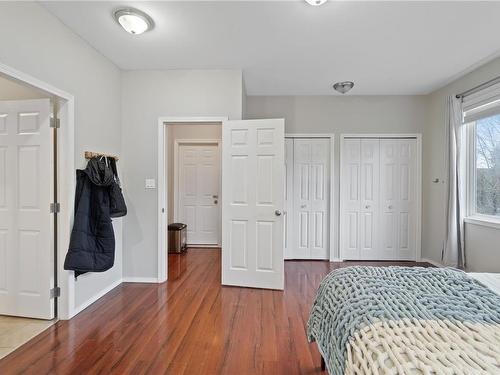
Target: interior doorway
[[189, 186], [28, 225]]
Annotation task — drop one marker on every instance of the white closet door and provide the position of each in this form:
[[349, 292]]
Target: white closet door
[[289, 244], [199, 180], [369, 189], [350, 198], [389, 197], [398, 198], [252, 213], [407, 210], [26, 224], [310, 190]]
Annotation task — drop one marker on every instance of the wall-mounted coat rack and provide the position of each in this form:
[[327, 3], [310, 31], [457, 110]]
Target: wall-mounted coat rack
[[91, 154]]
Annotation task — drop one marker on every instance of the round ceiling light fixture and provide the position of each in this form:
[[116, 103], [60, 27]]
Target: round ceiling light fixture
[[315, 2], [343, 87], [133, 20]]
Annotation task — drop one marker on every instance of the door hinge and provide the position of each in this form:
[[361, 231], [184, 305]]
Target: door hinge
[[55, 123], [55, 208], [55, 292]]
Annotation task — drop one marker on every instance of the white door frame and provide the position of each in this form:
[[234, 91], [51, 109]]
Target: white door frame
[[162, 162], [332, 242], [418, 137], [66, 172], [177, 144]]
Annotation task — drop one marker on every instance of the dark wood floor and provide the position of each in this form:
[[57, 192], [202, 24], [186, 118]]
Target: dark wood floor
[[189, 325]]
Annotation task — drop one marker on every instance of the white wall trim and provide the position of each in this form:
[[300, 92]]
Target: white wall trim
[[162, 162], [66, 167], [333, 242], [140, 280], [96, 296], [418, 137]]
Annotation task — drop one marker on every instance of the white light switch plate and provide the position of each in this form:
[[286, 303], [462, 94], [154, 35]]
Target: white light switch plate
[[150, 183]]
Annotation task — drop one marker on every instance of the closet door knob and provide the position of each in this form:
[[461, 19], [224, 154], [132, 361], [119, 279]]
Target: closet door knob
[[390, 207], [277, 213], [367, 206]]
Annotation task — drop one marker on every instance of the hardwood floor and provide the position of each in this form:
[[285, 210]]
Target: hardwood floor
[[189, 325]]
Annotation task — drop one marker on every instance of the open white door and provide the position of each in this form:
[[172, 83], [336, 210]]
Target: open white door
[[26, 224], [252, 203]]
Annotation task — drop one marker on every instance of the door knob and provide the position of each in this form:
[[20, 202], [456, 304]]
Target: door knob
[[390, 207], [303, 206], [215, 201], [215, 196], [367, 206], [277, 213]]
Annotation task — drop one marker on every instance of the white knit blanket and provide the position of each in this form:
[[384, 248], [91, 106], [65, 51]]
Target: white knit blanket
[[398, 320]]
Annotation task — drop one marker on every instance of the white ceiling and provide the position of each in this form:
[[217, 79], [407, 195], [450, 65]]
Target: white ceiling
[[291, 48]]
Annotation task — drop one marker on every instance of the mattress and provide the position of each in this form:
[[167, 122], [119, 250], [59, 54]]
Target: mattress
[[491, 280], [407, 320]]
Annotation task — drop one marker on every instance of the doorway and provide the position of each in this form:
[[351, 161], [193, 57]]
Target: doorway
[[28, 187], [189, 175]]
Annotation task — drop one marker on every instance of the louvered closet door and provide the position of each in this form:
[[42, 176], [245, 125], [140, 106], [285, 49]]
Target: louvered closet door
[[369, 194], [398, 198], [310, 190]]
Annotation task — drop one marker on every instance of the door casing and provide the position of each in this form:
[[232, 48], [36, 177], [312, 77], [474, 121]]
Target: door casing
[[65, 111], [163, 122]]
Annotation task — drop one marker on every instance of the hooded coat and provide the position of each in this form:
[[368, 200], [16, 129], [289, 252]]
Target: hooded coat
[[92, 242]]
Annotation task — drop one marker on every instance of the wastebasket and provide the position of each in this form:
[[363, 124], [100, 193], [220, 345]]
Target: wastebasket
[[177, 238]]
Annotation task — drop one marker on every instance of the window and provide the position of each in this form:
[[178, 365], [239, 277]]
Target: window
[[487, 166], [482, 118]]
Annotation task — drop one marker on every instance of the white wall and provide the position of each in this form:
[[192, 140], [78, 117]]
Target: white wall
[[146, 96], [342, 114], [482, 244], [182, 132], [35, 42]]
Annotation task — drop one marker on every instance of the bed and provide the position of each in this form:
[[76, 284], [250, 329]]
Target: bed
[[407, 320]]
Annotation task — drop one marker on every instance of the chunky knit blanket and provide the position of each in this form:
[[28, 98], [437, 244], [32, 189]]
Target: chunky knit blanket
[[404, 320]]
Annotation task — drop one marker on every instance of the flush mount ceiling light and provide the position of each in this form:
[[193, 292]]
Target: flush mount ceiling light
[[316, 2], [343, 87], [133, 20]]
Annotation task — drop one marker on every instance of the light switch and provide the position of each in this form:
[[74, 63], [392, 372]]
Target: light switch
[[150, 183]]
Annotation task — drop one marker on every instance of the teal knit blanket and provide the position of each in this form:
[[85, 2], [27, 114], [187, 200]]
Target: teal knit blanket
[[404, 319]]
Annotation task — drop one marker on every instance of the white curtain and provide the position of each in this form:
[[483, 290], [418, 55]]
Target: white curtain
[[454, 253]]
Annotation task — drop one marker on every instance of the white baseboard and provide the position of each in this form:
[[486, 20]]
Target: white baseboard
[[140, 280], [433, 262], [336, 260], [95, 297]]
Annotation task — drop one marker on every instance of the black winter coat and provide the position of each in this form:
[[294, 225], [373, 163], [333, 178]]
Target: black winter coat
[[92, 243]]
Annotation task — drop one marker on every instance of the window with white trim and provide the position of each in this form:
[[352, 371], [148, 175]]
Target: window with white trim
[[482, 116]]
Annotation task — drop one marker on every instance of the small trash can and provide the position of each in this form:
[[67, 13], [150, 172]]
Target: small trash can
[[177, 238]]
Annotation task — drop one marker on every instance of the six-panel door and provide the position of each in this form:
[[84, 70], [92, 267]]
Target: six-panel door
[[253, 204], [26, 224], [199, 180]]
